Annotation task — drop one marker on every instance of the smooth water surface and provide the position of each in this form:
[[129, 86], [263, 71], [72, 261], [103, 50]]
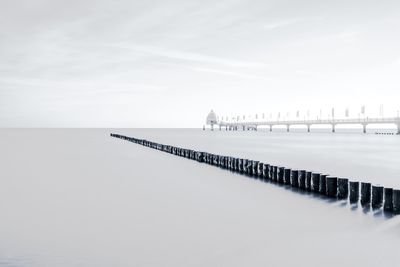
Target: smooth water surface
[[77, 197]]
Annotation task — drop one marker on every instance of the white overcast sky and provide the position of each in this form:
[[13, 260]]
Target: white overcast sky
[[166, 63]]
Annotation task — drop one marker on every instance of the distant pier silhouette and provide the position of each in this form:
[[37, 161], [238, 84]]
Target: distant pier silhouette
[[253, 125]]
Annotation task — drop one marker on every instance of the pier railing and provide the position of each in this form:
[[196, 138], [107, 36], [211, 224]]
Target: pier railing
[[252, 125], [393, 120]]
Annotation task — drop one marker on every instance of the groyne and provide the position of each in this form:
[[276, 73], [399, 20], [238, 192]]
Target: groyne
[[335, 188]]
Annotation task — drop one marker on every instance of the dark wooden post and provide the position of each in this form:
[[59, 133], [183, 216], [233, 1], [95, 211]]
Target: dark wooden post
[[260, 170], [295, 178], [245, 166], [237, 165], [388, 205], [288, 173], [211, 158], [365, 194], [331, 186], [343, 188], [272, 173], [281, 175], [308, 181], [255, 168], [266, 171], [396, 201], [302, 179], [201, 157], [377, 196], [240, 165], [354, 191], [249, 167], [315, 177], [276, 173], [322, 184]]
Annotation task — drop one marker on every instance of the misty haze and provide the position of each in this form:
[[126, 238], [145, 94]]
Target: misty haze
[[199, 133]]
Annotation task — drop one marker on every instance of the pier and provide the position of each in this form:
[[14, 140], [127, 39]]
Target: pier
[[253, 125], [307, 123]]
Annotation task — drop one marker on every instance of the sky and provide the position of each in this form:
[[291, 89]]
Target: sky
[[167, 63]]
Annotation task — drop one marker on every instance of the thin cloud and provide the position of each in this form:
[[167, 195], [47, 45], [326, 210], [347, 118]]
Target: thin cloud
[[232, 73], [190, 56], [281, 24]]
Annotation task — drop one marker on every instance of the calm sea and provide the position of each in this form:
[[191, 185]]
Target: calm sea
[[77, 197]]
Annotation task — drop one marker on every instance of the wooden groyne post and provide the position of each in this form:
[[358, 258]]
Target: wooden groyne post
[[377, 196], [343, 188], [331, 186], [354, 191], [365, 193], [388, 204]]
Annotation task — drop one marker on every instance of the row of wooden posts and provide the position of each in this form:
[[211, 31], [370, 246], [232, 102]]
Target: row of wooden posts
[[332, 187]]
